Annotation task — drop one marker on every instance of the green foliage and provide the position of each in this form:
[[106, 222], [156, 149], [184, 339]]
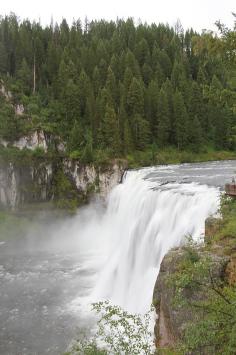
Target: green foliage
[[210, 301], [102, 157], [64, 192], [119, 331], [24, 156], [10, 125], [227, 223], [86, 347]]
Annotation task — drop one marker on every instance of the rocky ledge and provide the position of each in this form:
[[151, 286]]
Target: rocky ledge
[[171, 319]]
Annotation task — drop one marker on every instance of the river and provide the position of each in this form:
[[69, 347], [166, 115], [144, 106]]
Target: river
[[109, 250]]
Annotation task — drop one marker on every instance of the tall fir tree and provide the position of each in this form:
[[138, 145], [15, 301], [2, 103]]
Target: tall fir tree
[[163, 129], [181, 121], [110, 130]]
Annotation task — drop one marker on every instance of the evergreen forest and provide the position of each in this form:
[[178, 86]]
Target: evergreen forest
[[114, 88]]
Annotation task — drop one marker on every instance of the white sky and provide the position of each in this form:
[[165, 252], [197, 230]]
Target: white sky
[[199, 14]]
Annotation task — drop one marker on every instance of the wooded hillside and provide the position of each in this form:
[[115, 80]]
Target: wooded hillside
[[116, 87]]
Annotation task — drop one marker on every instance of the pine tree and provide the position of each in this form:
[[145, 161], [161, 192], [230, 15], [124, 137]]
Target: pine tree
[[151, 105], [132, 64], [159, 74], [25, 77], [71, 103], [84, 89], [216, 84], [178, 75], [111, 85], [223, 121], [147, 73], [142, 52], [197, 107], [165, 63], [135, 98], [103, 71], [96, 80], [168, 89], [163, 129], [127, 142], [128, 77], [181, 121], [122, 118], [116, 66], [110, 130], [141, 131], [3, 59], [201, 77], [76, 139], [194, 134], [87, 156]]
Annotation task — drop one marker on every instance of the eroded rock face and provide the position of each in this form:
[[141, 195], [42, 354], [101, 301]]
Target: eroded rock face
[[167, 327], [171, 319], [19, 109], [3, 91], [32, 141], [33, 183], [231, 271], [24, 184], [101, 180], [109, 179]]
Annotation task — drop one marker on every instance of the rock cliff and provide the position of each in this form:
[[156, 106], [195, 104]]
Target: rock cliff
[[27, 183], [172, 319], [102, 179], [24, 184]]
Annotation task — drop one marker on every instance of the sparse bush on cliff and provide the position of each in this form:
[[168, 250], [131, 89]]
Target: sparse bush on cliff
[[64, 192]]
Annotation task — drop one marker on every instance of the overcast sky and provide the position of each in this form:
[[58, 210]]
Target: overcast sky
[[199, 14]]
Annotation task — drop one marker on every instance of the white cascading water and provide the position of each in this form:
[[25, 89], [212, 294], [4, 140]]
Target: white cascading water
[[142, 222]]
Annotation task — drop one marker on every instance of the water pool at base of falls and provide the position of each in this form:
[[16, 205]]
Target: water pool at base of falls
[[107, 251]]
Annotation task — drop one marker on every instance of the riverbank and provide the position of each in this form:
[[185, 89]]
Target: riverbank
[[173, 156]]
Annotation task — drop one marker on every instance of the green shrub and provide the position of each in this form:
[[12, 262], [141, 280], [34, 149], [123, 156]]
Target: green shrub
[[119, 331]]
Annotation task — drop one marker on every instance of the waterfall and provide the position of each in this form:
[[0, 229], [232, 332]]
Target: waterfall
[[143, 220]]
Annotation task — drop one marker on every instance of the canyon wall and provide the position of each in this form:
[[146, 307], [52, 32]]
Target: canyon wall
[[34, 182]]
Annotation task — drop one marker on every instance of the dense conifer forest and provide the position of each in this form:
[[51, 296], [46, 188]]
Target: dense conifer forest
[[115, 87]]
